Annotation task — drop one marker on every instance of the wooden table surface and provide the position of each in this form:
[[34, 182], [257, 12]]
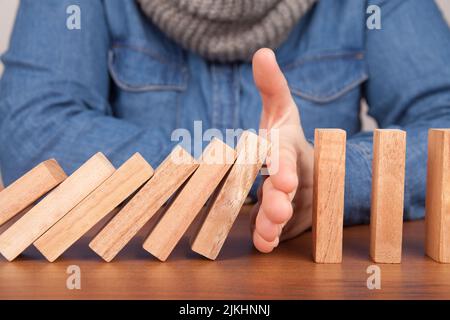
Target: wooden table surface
[[239, 273]]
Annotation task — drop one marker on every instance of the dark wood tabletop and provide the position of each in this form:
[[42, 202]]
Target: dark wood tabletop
[[239, 273]]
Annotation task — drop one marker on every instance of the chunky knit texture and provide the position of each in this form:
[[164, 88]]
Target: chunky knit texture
[[226, 30]]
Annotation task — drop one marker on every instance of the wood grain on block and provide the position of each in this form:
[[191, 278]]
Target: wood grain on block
[[388, 184], [222, 212], [111, 193], [54, 206], [168, 178], [216, 160], [328, 195], [29, 188], [437, 216]]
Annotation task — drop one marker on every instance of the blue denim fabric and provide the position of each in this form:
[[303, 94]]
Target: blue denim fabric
[[120, 86]]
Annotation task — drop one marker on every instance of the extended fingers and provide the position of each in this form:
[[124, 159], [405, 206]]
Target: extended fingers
[[263, 245], [283, 170], [276, 204]]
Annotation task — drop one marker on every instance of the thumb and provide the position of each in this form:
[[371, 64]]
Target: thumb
[[272, 85]]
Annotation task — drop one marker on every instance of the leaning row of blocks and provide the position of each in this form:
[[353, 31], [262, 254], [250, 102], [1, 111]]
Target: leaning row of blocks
[[135, 193]]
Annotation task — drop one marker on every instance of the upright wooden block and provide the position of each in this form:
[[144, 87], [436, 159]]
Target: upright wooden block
[[29, 188], [111, 193], [328, 195], [216, 161], [251, 153], [168, 178], [437, 215], [388, 184], [54, 206]]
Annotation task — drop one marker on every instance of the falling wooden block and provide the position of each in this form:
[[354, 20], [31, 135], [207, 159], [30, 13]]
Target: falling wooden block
[[328, 195], [215, 162], [251, 153], [437, 205], [168, 178], [111, 193], [388, 185], [54, 206], [29, 188]]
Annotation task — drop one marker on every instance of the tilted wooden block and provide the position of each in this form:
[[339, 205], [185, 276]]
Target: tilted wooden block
[[215, 162], [251, 153], [328, 195], [112, 192], [168, 178], [54, 206], [29, 188], [388, 185], [437, 205]]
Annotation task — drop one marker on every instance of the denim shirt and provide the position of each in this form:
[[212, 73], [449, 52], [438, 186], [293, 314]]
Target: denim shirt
[[120, 86]]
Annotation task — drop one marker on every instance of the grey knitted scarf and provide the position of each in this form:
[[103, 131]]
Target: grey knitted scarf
[[226, 30]]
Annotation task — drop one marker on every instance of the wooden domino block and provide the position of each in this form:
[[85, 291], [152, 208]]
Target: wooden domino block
[[437, 205], [111, 193], [388, 184], [168, 178], [54, 206], [328, 195], [251, 153], [29, 188], [215, 162]]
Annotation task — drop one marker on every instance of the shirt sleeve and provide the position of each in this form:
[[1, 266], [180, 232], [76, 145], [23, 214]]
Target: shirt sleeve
[[408, 89], [54, 94]]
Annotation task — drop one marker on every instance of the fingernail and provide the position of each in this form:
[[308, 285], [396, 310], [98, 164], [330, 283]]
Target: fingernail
[[276, 242]]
